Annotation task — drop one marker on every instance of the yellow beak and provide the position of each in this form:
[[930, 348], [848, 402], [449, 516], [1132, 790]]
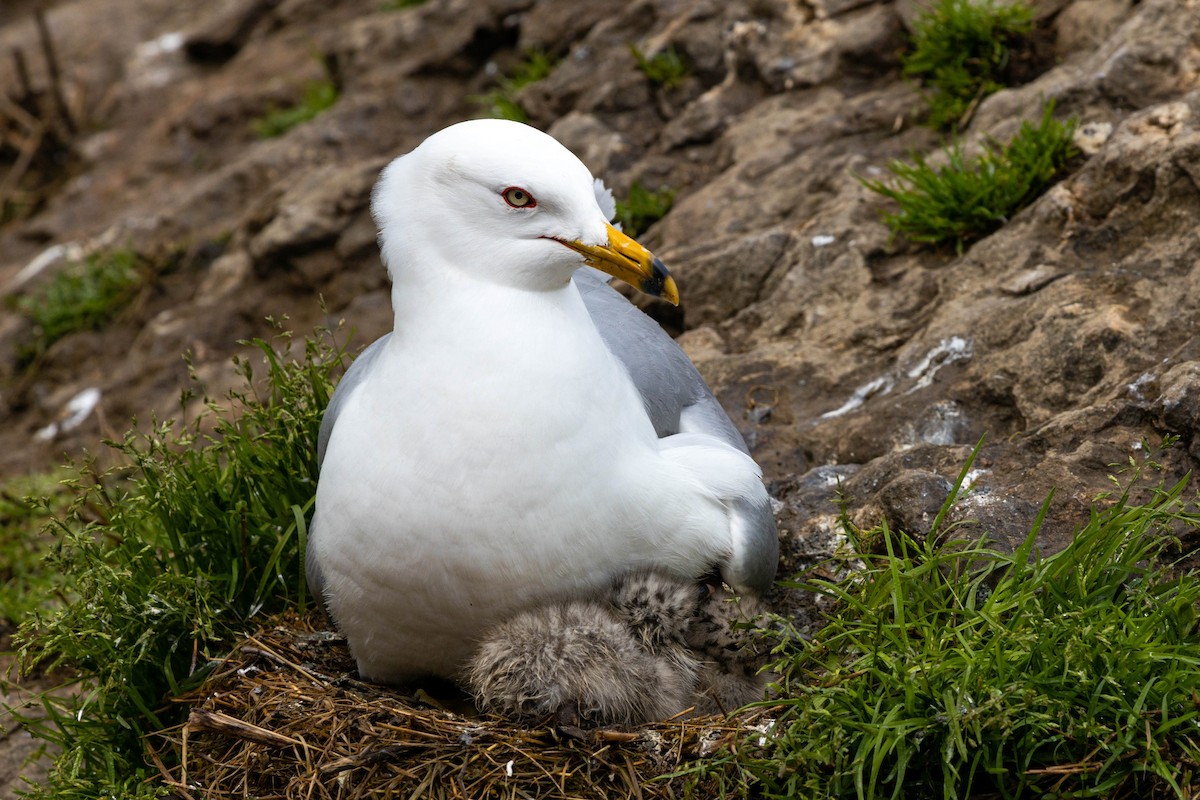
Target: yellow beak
[[624, 258]]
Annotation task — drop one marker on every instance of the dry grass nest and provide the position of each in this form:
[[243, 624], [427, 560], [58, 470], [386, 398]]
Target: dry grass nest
[[284, 717]]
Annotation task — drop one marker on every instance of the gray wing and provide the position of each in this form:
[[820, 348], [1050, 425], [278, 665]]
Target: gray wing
[[679, 401], [675, 396], [353, 377]]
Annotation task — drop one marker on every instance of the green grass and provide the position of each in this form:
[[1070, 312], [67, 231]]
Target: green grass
[[398, 5], [318, 96], [199, 536], [501, 102], [85, 295], [12, 210], [642, 208], [27, 503], [960, 49], [666, 68], [946, 668], [969, 198], [952, 669]]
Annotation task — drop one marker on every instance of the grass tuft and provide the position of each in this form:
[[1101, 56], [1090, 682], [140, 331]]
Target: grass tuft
[[666, 68], [27, 503], [969, 198], [85, 295], [399, 5], [642, 208], [318, 96], [501, 102], [200, 536], [960, 50], [951, 669]]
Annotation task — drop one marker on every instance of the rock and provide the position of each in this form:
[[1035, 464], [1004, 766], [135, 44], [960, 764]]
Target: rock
[[315, 210], [1177, 407], [220, 37], [911, 501], [226, 275], [603, 150], [1084, 24]]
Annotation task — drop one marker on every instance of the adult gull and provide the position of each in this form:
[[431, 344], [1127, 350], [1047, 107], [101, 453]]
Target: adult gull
[[524, 435]]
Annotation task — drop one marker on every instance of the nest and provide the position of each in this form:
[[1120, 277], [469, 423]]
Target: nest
[[283, 717]]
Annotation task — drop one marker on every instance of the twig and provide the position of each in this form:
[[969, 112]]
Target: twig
[[369, 758], [1064, 769], [18, 114], [633, 778], [56, 93], [616, 736], [168, 779], [21, 165], [259, 649], [22, 70], [216, 722]]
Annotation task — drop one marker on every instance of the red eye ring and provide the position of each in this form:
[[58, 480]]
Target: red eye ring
[[517, 197]]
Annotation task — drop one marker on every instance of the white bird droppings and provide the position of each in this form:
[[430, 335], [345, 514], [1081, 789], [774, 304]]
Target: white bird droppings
[[947, 351], [77, 409], [69, 251], [973, 477], [881, 385]]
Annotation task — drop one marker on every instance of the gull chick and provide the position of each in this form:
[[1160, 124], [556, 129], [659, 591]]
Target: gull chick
[[581, 663], [626, 658]]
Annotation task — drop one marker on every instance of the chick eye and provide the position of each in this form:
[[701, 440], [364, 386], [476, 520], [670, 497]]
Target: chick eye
[[518, 198]]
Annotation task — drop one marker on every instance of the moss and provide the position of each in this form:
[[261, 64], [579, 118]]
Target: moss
[[501, 102], [666, 68], [643, 207], [318, 96], [85, 295]]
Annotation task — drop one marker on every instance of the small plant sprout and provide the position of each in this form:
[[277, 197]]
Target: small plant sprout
[[319, 95], [27, 584], [971, 197], [960, 50], [665, 68], [501, 102], [643, 207]]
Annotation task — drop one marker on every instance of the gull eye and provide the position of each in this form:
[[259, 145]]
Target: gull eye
[[518, 198]]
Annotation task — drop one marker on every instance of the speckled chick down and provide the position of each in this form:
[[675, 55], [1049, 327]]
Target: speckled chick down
[[652, 647], [580, 662]]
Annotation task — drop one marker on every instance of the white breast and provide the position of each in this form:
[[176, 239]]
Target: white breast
[[462, 496]]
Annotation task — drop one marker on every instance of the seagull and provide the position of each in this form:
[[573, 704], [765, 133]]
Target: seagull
[[524, 435]]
